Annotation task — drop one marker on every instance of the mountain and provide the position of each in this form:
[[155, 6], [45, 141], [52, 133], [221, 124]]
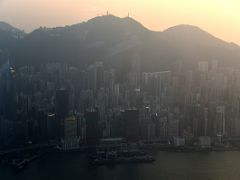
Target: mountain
[[194, 43], [102, 38], [7, 29], [119, 42], [9, 40]]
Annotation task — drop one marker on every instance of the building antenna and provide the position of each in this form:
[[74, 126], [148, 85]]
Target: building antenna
[[107, 12], [128, 14]]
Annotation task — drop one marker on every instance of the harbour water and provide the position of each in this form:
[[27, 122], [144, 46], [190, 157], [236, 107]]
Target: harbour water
[[168, 166]]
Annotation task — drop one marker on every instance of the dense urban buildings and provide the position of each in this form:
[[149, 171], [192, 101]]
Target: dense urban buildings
[[61, 103]]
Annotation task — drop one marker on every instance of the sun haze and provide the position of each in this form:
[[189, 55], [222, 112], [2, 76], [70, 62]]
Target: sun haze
[[219, 17]]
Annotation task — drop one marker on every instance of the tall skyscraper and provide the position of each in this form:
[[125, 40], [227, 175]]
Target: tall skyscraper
[[8, 105], [8, 93], [220, 120], [70, 140], [131, 122], [62, 109], [93, 132]]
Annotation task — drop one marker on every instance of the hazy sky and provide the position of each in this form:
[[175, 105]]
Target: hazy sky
[[219, 17]]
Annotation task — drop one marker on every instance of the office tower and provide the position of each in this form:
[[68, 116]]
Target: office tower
[[95, 76], [173, 125], [205, 115], [70, 140], [131, 124], [70, 127], [62, 109], [220, 120], [8, 93], [62, 103], [8, 106], [93, 132], [52, 126]]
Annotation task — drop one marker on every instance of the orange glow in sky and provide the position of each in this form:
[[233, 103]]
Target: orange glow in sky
[[219, 17]]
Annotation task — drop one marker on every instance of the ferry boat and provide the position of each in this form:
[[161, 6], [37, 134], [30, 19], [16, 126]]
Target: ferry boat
[[120, 157]]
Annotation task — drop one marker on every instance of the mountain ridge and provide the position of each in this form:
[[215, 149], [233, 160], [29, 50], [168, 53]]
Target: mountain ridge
[[6, 26], [187, 26], [115, 40]]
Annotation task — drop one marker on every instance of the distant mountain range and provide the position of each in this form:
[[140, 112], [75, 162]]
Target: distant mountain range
[[116, 41]]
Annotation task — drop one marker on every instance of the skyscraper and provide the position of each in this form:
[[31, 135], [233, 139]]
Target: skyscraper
[[62, 109], [8, 93], [92, 126], [131, 122], [8, 105], [220, 120]]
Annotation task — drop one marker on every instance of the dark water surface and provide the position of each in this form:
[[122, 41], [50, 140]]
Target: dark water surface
[[168, 166]]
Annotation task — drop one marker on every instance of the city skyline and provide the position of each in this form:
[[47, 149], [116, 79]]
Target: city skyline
[[220, 18], [123, 89]]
